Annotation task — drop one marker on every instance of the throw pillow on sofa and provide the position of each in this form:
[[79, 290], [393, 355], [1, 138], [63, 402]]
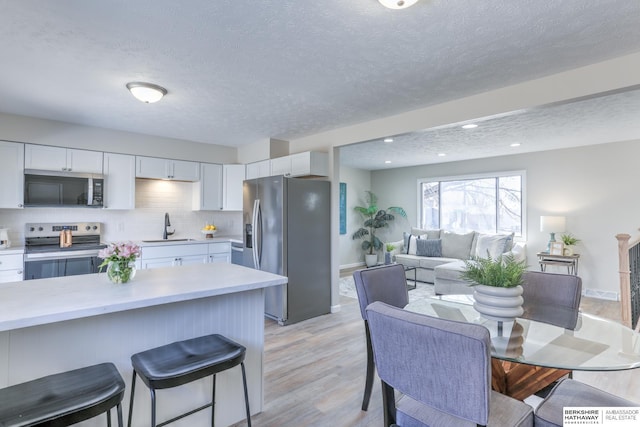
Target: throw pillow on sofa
[[456, 245], [410, 242], [429, 247], [493, 245]]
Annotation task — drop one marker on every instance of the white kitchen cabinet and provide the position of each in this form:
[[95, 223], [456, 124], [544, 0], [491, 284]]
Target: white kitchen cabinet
[[309, 163], [45, 157], [232, 179], [207, 193], [219, 188], [220, 252], [11, 175], [259, 169], [120, 181], [170, 255], [11, 268], [158, 168]]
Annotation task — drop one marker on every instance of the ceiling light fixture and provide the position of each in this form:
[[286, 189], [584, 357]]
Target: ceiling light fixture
[[398, 4], [387, 161], [470, 126], [515, 144], [146, 92], [441, 154], [388, 140]]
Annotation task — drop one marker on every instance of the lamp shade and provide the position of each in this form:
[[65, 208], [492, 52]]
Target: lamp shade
[[146, 92], [553, 224], [397, 4]]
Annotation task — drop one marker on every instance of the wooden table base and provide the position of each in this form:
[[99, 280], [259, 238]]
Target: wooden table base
[[521, 381]]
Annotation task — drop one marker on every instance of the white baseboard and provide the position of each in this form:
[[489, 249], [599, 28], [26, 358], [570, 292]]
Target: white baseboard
[[335, 308], [354, 265], [607, 295]]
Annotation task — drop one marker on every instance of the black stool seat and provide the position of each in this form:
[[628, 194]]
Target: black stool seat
[[63, 399], [181, 362], [185, 361]]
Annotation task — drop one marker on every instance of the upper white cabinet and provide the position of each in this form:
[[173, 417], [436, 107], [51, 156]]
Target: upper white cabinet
[[11, 175], [232, 180], [179, 170], [220, 188], [207, 194], [309, 163], [50, 158], [259, 169], [120, 181]]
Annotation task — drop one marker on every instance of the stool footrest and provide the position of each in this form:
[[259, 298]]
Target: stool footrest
[[186, 414]]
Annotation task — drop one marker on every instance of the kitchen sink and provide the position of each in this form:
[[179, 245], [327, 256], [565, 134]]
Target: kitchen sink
[[168, 240]]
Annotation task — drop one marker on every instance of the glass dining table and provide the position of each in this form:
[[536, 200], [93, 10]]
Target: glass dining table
[[527, 354]]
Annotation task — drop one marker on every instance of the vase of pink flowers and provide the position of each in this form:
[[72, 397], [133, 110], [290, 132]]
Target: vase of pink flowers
[[120, 258]]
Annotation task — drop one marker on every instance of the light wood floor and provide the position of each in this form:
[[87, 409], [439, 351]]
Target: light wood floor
[[314, 371]]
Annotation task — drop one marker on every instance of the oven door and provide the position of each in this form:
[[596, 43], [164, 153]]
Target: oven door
[[46, 265]]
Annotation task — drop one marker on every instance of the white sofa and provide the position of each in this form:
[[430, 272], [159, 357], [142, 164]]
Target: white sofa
[[440, 261]]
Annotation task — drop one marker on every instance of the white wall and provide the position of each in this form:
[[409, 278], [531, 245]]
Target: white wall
[[595, 187], [49, 132], [358, 181]]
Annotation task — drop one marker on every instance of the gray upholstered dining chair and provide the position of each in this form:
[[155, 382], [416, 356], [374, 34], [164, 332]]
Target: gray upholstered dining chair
[[552, 298], [442, 368], [388, 284], [572, 393]]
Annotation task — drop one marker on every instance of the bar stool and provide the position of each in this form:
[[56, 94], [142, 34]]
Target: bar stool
[[63, 399], [182, 362]]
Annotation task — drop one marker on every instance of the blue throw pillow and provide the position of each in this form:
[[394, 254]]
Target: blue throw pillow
[[429, 247]]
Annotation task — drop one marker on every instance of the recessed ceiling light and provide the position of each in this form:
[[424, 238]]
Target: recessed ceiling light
[[441, 154], [388, 140], [470, 126], [387, 161], [146, 92], [515, 144], [398, 4]]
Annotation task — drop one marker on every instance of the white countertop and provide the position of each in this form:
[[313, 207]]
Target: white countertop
[[12, 250], [42, 301]]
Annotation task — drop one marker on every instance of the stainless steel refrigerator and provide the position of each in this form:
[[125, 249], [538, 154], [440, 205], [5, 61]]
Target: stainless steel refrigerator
[[287, 231]]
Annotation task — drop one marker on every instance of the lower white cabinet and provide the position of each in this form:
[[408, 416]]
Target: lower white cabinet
[[11, 268], [220, 252], [170, 255]]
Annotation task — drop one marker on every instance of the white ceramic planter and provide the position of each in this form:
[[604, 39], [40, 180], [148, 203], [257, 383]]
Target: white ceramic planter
[[501, 304], [371, 260]]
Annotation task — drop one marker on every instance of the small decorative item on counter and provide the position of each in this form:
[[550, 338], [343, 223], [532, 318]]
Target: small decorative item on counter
[[209, 230], [120, 260]]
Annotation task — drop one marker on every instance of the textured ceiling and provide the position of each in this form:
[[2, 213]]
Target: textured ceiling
[[597, 120], [241, 71]]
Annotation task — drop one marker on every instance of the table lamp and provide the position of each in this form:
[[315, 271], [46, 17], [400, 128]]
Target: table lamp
[[552, 225]]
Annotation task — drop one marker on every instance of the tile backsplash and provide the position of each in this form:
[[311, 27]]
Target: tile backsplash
[[153, 199]]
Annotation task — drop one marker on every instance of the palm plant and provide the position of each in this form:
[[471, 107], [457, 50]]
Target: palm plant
[[374, 219]]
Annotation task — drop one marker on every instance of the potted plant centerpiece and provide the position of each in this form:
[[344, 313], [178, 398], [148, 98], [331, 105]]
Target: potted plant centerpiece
[[497, 286], [569, 242], [374, 219]]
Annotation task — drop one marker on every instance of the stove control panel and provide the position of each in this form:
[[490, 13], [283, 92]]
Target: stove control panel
[[54, 229]]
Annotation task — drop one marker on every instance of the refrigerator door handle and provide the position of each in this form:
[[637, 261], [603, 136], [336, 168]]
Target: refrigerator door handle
[[259, 237], [254, 235]]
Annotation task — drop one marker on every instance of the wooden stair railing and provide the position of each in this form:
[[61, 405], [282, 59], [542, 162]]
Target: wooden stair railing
[[629, 292]]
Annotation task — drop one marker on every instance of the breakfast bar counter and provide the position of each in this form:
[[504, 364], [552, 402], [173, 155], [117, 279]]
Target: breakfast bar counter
[[57, 324]]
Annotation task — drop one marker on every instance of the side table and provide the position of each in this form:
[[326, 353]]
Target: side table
[[569, 261]]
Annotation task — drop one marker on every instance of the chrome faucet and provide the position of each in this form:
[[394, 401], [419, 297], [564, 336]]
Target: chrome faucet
[[167, 224]]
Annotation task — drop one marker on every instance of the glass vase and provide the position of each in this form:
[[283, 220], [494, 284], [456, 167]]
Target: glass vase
[[121, 272]]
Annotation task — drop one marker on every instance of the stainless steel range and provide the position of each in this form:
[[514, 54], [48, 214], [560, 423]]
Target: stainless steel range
[[61, 249]]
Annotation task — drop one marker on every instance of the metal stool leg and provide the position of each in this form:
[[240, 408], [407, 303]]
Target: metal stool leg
[[119, 408], [153, 407], [109, 418], [246, 394], [133, 388]]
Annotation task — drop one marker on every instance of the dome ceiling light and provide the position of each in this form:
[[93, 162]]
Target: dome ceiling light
[[397, 4], [146, 92]]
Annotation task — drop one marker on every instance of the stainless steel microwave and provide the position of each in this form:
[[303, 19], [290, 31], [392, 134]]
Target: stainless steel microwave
[[63, 189]]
